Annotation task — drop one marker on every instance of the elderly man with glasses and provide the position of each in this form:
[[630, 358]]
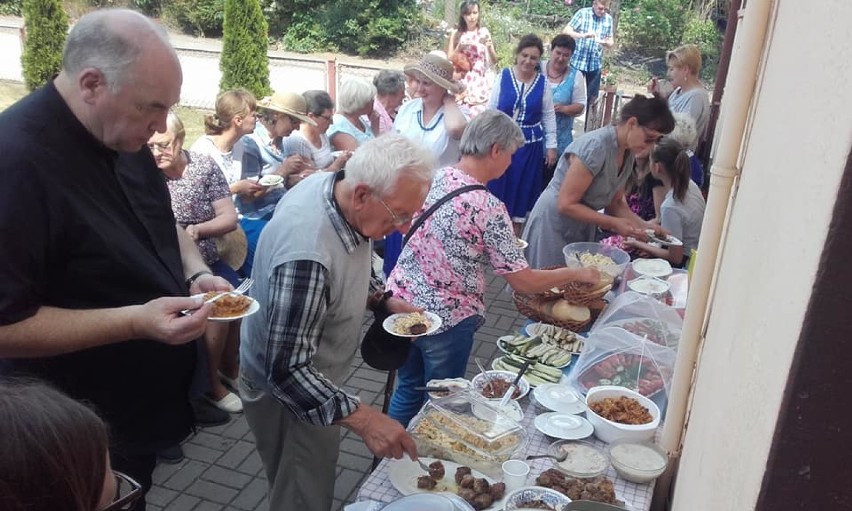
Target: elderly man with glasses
[[315, 260]]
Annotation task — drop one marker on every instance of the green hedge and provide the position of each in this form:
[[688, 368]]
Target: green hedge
[[46, 27], [244, 62]]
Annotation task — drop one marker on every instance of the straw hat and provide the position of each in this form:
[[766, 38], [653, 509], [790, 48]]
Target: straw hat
[[289, 103], [437, 69], [233, 248]]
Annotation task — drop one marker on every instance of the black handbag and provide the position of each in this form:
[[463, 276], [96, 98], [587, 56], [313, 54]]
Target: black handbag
[[381, 349]]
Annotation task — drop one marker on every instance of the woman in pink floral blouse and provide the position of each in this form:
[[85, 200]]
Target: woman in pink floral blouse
[[442, 268]]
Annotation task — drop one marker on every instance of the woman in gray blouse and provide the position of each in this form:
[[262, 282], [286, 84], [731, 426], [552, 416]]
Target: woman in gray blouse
[[689, 95], [590, 177]]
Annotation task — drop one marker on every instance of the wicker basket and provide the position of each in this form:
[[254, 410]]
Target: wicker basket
[[583, 294], [524, 304]]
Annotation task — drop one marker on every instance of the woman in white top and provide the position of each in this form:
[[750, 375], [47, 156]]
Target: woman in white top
[[682, 211], [311, 141]]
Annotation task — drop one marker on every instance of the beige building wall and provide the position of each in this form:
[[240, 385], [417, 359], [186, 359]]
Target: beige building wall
[[794, 152]]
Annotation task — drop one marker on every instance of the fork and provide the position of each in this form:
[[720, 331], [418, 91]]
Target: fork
[[424, 466], [241, 289]]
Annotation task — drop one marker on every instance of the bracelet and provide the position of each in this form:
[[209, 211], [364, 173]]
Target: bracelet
[[191, 280]]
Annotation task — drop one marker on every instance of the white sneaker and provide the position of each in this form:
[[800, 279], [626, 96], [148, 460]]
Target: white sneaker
[[230, 403]]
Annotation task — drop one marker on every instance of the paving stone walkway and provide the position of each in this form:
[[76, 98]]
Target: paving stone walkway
[[223, 471]]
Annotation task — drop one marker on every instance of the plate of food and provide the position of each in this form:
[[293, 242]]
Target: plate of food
[[552, 334], [597, 489], [412, 324], [649, 286], [667, 240], [271, 180], [535, 497], [536, 374], [475, 488], [231, 307]]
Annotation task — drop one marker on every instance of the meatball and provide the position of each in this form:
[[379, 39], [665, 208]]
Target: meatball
[[482, 501], [426, 483], [481, 485], [461, 472], [498, 490], [467, 494], [436, 470], [467, 481]]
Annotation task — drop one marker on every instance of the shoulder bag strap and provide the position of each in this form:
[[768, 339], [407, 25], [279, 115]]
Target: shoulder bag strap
[[422, 218]]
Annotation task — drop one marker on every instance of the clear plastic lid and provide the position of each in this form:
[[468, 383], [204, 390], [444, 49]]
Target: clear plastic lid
[[471, 420]]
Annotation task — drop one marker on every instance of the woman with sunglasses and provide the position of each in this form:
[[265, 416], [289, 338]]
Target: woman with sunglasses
[[55, 454], [311, 141], [590, 177]]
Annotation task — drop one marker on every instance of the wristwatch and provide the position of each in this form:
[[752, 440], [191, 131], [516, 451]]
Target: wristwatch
[[196, 276]]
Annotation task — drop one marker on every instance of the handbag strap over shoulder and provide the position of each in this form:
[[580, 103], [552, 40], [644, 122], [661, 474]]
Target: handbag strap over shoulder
[[426, 214]]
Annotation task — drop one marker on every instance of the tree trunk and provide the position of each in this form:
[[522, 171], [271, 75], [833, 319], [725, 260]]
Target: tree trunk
[[614, 8], [450, 12]]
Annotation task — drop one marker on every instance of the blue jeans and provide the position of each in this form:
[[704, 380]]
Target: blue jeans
[[252, 228], [431, 357]]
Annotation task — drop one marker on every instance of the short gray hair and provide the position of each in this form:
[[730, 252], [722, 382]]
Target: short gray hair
[[389, 82], [380, 162], [101, 40], [354, 95], [488, 128]]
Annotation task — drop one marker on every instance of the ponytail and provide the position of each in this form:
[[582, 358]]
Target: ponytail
[[675, 162]]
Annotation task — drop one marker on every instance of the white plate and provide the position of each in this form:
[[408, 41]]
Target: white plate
[[271, 180], [559, 398], [649, 286], [422, 501], [652, 267], [564, 425], [389, 321], [669, 239], [254, 307], [403, 474]]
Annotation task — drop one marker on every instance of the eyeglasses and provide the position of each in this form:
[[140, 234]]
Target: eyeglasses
[[650, 139], [127, 492], [397, 221], [326, 117], [163, 147]]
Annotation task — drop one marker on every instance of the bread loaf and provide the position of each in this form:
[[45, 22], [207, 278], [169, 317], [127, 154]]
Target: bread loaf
[[564, 311]]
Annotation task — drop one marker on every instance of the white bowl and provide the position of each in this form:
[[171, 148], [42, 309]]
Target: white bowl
[[480, 380], [516, 499], [638, 462], [610, 431]]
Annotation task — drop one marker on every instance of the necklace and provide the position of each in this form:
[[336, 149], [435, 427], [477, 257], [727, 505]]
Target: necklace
[[557, 77], [434, 124]]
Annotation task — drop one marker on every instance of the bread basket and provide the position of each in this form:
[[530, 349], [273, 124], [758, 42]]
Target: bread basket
[[525, 305]]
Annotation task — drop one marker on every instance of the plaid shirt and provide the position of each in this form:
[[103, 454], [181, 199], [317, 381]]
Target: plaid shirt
[[300, 291], [589, 53]]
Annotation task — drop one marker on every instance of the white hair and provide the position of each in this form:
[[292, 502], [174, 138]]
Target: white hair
[[489, 128], [110, 40], [684, 130], [354, 95], [380, 162]]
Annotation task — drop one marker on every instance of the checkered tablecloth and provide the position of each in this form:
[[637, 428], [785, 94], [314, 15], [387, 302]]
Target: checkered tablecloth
[[378, 487]]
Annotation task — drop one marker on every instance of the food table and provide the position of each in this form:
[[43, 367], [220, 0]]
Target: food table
[[377, 487], [637, 497]]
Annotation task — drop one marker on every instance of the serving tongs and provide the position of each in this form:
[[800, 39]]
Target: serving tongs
[[511, 390]]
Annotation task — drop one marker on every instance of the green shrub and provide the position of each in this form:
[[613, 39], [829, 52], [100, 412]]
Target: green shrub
[[46, 26], [371, 27], [11, 7], [652, 26], [200, 17], [244, 62], [706, 36], [306, 34]]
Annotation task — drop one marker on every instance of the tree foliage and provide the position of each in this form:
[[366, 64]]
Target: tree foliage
[[46, 26], [244, 62]]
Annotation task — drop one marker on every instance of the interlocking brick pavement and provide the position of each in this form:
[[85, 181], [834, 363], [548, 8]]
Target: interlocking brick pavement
[[223, 471]]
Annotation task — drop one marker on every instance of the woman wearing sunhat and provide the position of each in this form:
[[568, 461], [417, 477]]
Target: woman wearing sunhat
[[433, 119], [261, 153]]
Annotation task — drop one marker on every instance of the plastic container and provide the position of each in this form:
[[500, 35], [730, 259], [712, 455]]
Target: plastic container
[[583, 459], [467, 429], [619, 257], [638, 462], [610, 431], [482, 379]]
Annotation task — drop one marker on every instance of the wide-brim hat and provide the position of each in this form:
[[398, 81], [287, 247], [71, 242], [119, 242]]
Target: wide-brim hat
[[289, 103], [233, 248], [435, 68]]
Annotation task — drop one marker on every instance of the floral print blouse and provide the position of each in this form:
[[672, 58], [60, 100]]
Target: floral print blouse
[[193, 195], [442, 268]]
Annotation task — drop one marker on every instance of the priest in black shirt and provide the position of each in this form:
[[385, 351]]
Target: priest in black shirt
[[94, 270]]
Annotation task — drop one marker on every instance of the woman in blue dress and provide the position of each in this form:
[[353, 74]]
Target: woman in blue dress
[[522, 93]]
